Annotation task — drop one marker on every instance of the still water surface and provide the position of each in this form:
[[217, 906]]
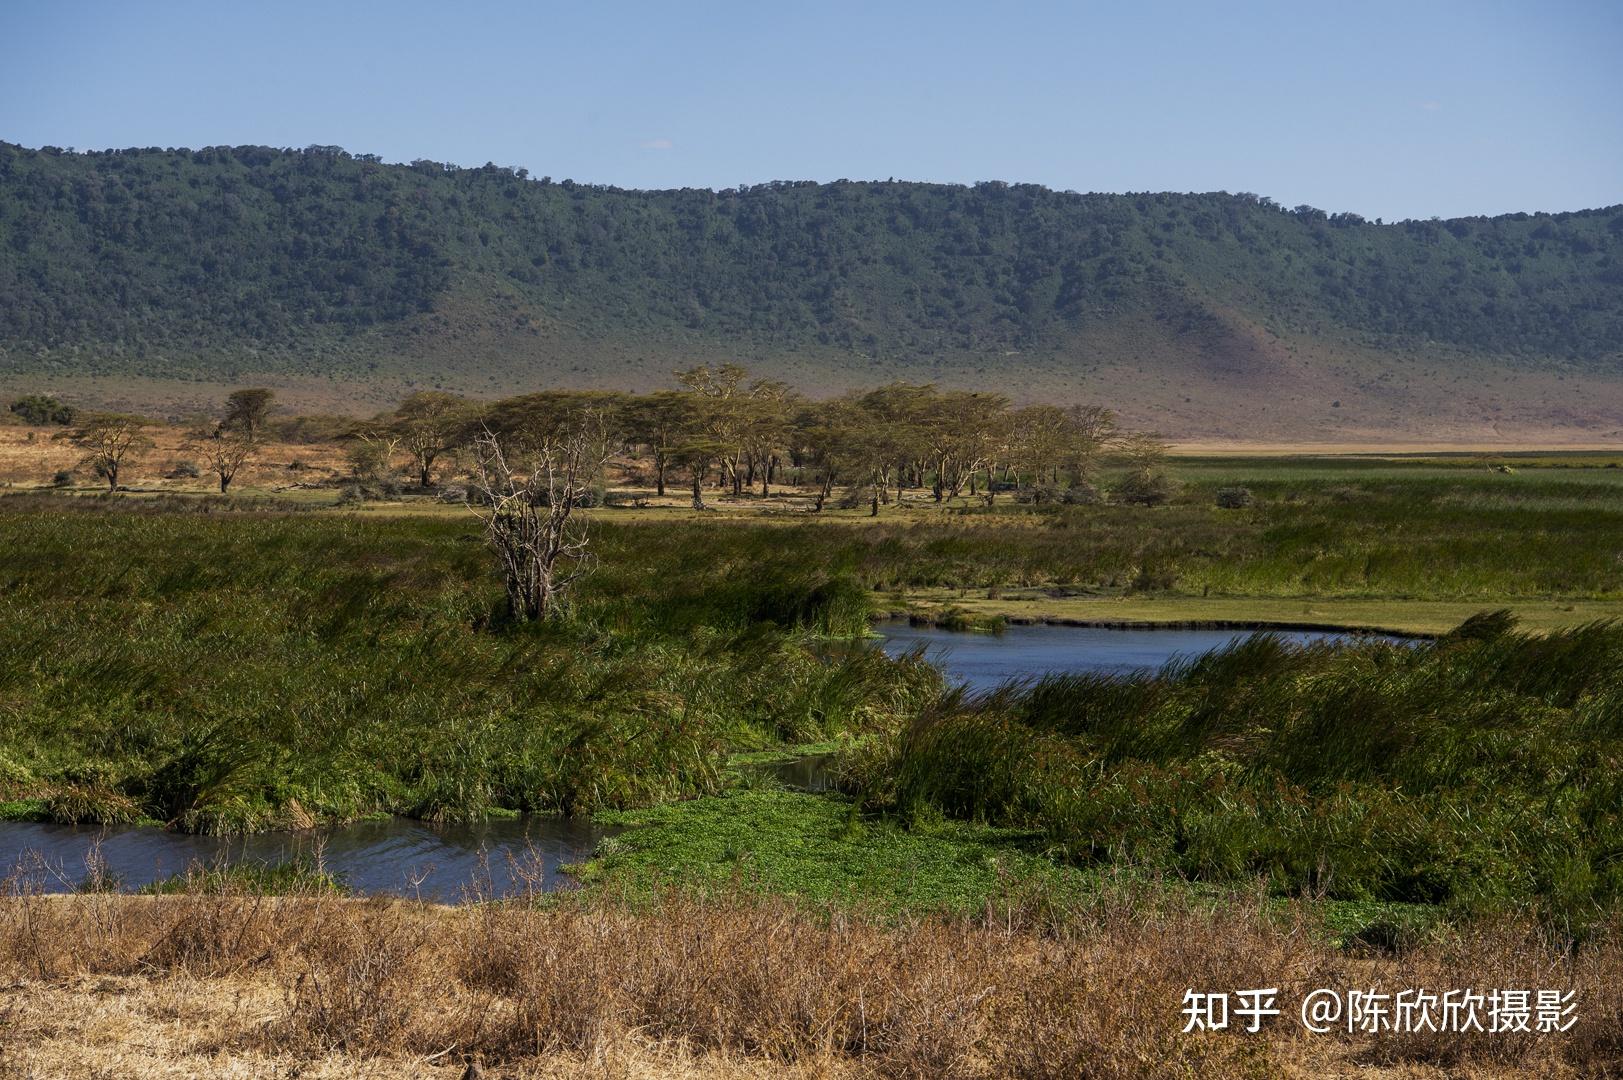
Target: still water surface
[[985, 661], [397, 856]]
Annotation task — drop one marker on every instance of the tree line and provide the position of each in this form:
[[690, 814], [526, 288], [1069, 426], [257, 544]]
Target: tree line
[[718, 430], [531, 461]]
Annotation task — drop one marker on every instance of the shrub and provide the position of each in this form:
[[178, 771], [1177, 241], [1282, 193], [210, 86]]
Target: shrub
[[184, 470], [353, 493], [90, 804], [1153, 579], [42, 410], [367, 460], [63, 478], [1080, 493], [1144, 489], [1427, 774], [1039, 495], [1234, 498]]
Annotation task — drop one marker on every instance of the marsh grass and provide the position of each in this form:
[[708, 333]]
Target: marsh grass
[[1479, 772], [238, 673], [294, 877], [227, 672]]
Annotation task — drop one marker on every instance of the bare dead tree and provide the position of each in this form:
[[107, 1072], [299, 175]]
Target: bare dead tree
[[527, 492]]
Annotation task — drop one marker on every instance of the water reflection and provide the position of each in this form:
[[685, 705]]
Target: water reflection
[[985, 661], [391, 857]]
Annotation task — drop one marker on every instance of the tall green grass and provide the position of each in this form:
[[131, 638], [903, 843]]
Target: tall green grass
[[1480, 771], [242, 672]]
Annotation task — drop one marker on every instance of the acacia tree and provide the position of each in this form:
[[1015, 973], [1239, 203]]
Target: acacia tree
[[764, 428], [1092, 429], [528, 493], [226, 449], [246, 409], [371, 447], [963, 433], [109, 440], [658, 421], [896, 424], [1144, 451], [1037, 439], [696, 454], [427, 424], [715, 419], [830, 435], [228, 445], [1145, 483]]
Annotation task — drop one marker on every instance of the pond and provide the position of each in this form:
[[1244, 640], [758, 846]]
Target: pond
[[505, 857], [396, 857], [984, 661]]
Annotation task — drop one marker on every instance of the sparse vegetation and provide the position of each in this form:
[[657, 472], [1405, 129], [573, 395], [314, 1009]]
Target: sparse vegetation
[[109, 442]]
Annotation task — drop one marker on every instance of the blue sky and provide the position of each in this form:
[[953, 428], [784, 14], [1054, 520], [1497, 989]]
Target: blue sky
[[1388, 109]]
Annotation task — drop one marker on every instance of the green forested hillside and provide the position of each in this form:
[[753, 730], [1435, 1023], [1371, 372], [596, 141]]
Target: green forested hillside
[[149, 262]]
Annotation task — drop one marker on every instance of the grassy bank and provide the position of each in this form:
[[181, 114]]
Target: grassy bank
[[823, 849], [1478, 772]]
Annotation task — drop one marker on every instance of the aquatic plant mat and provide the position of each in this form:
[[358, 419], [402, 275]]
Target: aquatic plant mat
[[236, 983]]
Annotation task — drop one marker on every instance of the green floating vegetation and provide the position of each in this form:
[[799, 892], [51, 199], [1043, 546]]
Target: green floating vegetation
[[822, 849]]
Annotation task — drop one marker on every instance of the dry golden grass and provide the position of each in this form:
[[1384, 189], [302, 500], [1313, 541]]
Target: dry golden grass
[[31, 457], [243, 985]]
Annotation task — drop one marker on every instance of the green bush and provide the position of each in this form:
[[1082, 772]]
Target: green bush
[[1142, 488], [42, 411], [239, 672]]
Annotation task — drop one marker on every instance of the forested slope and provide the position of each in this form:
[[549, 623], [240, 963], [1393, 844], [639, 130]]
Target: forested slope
[[225, 261]]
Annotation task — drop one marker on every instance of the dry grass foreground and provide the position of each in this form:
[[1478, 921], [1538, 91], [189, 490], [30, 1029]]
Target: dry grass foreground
[[101, 985]]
